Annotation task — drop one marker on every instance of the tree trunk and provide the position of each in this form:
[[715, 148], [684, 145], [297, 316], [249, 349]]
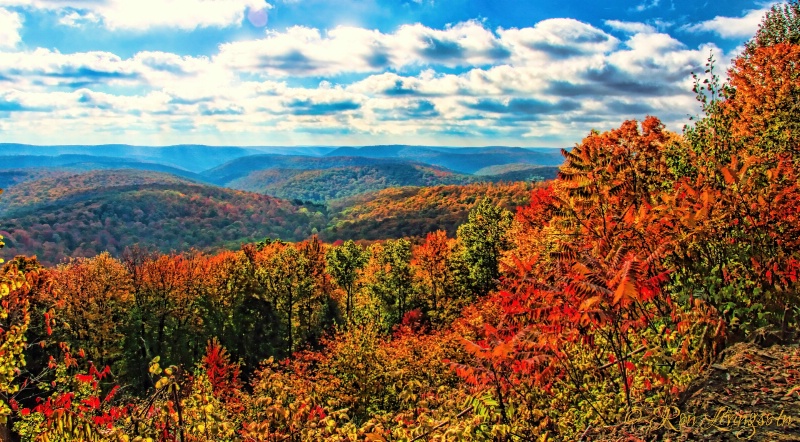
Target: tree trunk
[[5, 434]]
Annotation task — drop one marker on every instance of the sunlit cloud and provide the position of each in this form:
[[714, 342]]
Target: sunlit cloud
[[10, 24], [141, 15], [475, 81], [731, 27]]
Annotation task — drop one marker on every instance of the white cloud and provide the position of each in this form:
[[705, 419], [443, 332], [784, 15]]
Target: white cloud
[[557, 39], [553, 81], [305, 51], [465, 44], [308, 52], [647, 5], [184, 14], [53, 66], [10, 25], [141, 15], [74, 19], [629, 27], [731, 27]]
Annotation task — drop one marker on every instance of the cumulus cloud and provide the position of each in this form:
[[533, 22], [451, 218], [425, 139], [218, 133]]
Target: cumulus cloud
[[305, 51], [731, 27], [10, 25], [525, 108], [465, 44], [53, 68], [309, 52], [549, 82], [145, 14], [558, 38], [629, 27], [75, 19]]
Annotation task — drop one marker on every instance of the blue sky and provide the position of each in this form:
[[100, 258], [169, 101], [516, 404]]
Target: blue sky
[[353, 72]]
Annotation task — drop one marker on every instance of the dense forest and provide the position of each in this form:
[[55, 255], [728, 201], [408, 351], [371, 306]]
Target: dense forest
[[320, 185], [597, 300], [80, 215], [416, 211]]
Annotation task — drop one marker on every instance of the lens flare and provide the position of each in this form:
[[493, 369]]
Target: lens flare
[[257, 17]]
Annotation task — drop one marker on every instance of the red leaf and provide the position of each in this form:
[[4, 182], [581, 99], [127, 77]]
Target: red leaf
[[84, 378]]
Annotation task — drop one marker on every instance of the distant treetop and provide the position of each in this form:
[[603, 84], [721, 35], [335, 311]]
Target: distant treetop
[[781, 24]]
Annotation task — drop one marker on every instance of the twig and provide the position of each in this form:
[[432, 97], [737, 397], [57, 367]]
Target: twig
[[442, 424], [638, 350]]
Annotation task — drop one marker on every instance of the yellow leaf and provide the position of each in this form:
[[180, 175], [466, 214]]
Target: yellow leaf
[[591, 302]]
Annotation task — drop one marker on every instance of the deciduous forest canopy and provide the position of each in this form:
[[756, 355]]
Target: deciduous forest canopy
[[549, 309]]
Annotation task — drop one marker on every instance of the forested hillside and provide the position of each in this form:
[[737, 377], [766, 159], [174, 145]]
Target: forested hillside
[[36, 195], [82, 215], [416, 211], [193, 158], [80, 162], [597, 310], [68, 214], [464, 159], [242, 168], [321, 185]]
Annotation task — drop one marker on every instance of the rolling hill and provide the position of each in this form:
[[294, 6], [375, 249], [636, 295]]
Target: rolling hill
[[517, 172], [61, 187], [85, 214], [234, 166], [462, 159], [81, 162], [241, 167], [73, 204], [193, 158], [320, 185], [415, 211], [82, 214], [13, 177]]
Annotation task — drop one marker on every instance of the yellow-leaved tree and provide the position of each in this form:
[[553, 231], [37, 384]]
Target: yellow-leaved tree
[[14, 320]]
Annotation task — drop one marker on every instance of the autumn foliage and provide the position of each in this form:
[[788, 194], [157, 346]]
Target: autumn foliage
[[610, 289]]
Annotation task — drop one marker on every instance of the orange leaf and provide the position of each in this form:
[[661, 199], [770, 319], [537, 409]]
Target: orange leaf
[[728, 176]]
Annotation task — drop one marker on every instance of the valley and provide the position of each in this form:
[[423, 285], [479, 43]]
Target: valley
[[69, 204]]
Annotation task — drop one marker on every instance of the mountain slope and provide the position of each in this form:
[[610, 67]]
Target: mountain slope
[[59, 188], [321, 185], [415, 211], [531, 173], [159, 211], [13, 177], [241, 167], [462, 159], [194, 158], [80, 162]]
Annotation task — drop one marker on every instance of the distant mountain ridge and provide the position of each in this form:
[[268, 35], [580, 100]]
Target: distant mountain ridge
[[83, 163], [196, 158], [320, 185], [193, 158], [69, 201], [459, 159], [241, 167]]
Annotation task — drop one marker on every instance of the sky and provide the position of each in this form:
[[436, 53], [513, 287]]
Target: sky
[[354, 72]]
